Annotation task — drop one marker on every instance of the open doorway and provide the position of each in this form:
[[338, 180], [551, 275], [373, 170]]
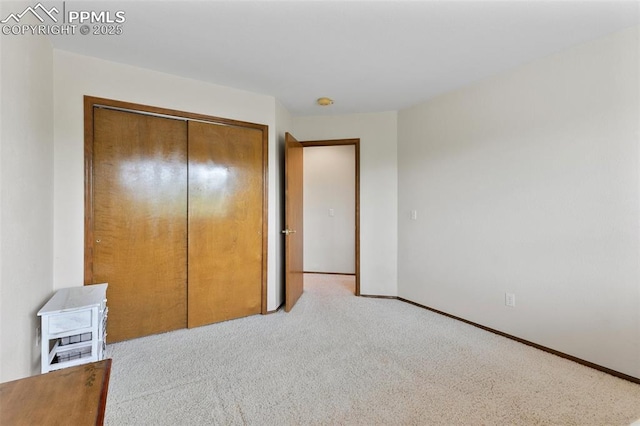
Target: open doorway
[[332, 208]]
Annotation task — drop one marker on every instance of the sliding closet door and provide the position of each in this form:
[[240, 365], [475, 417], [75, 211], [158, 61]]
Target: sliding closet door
[[226, 184], [140, 221]]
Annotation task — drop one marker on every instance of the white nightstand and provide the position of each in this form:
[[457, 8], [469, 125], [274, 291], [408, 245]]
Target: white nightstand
[[74, 323]]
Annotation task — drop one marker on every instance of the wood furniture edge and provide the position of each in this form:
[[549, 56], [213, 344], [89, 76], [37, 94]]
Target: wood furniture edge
[[40, 389], [103, 395]]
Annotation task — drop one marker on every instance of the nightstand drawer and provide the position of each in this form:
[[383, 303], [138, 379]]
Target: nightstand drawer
[[69, 322]]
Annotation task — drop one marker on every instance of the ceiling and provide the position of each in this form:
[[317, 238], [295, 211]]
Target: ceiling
[[367, 56]]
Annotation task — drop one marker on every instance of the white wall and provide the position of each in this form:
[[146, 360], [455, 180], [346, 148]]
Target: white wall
[[378, 189], [75, 76], [528, 183], [26, 197], [329, 190]]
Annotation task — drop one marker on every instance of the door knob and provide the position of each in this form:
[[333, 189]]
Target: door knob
[[289, 231]]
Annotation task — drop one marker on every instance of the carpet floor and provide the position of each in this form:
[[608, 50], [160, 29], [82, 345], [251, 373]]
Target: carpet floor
[[337, 359]]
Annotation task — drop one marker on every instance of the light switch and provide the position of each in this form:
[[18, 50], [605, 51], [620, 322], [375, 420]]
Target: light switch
[[414, 214]]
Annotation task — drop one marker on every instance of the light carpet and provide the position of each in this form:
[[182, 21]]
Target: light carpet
[[340, 359]]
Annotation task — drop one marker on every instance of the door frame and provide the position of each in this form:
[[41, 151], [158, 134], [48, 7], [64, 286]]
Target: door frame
[[356, 143], [90, 102]]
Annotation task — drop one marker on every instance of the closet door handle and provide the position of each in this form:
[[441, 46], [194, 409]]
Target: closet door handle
[[289, 231]]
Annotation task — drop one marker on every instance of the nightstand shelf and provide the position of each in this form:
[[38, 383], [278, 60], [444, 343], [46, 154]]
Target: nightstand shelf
[[74, 324]]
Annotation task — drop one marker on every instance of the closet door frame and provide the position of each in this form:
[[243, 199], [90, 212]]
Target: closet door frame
[[91, 102]]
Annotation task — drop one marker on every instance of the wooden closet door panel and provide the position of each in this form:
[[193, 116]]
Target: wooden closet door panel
[[140, 221], [225, 222]]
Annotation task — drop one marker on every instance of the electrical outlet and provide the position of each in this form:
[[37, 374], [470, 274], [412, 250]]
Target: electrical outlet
[[510, 300]]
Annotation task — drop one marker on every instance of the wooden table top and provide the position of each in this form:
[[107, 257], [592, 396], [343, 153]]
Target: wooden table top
[[70, 396]]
